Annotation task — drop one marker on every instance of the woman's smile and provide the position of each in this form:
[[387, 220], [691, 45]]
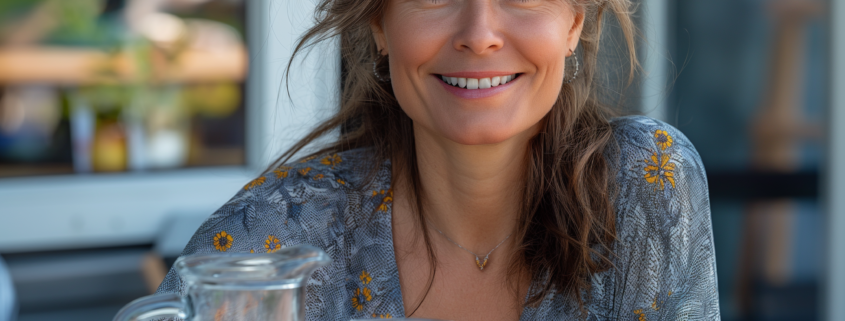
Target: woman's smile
[[477, 72], [482, 85]]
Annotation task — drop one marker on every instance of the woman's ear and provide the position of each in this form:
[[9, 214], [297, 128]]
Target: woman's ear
[[378, 35], [575, 30]]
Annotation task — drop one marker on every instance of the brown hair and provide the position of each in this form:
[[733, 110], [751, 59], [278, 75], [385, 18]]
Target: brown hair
[[567, 224]]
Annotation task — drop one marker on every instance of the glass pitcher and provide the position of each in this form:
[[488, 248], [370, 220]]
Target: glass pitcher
[[236, 287]]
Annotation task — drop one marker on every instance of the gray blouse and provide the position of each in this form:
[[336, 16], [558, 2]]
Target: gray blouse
[[664, 257]]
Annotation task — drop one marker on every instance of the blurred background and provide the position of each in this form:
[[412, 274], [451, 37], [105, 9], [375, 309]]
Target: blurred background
[[124, 123]]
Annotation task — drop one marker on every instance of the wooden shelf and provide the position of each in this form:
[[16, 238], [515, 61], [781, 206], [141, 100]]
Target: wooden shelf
[[82, 66]]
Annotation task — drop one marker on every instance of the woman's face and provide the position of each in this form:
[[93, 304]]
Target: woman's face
[[481, 44]]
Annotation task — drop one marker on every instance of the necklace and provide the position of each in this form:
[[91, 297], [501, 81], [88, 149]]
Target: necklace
[[478, 262]]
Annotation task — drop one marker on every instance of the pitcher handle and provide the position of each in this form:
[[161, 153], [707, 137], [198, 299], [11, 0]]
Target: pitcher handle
[[153, 306]]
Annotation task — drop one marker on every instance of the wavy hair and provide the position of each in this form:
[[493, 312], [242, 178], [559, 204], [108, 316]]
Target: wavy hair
[[566, 224]]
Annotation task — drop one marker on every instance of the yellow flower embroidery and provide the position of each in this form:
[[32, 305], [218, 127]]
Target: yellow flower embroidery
[[365, 277], [331, 160], [388, 198], [670, 293], [659, 171], [305, 171], [251, 251], [222, 241], [360, 296], [280, 173], [664, 141], [306, 159], [341, 181], [319, 176], [272, 244], [255, 183], [382, 316], [640, 314]]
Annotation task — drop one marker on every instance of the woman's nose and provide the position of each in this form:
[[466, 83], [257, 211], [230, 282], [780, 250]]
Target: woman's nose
[[479, 29]]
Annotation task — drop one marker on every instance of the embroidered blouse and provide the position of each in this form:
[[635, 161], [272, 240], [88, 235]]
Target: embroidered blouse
[[664, 255]]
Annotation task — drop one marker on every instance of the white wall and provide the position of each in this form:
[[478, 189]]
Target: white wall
[[314, 79], [655, 28]]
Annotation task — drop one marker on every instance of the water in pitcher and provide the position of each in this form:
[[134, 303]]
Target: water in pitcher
[[245, 305], [235, 287]]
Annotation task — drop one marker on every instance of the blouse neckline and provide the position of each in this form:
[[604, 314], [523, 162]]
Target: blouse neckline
[[393, 266]]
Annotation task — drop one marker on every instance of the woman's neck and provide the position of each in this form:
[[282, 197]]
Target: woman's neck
[[472, 193]]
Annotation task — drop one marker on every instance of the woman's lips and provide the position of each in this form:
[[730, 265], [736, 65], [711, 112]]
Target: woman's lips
[[481, 92]]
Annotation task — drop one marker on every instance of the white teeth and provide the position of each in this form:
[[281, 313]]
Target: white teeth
[[474, 83], [484, 83]]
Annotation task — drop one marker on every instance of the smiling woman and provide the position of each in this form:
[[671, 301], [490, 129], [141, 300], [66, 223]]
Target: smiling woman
[[478, 176], [478, 41]]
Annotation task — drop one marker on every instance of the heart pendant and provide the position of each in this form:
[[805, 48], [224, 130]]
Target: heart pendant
[[480, 264]]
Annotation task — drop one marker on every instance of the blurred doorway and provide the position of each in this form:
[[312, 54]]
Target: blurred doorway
[[751, 95]]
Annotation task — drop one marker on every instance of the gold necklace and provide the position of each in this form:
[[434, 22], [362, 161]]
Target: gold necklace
[[478, 262]]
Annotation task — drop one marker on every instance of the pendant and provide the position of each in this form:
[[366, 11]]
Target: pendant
[[480, 264]]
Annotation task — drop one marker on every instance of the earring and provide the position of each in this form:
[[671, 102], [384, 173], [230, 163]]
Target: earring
[[375, 70], [577, 67]]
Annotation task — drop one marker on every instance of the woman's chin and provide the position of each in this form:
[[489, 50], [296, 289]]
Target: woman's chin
[[481, 129]]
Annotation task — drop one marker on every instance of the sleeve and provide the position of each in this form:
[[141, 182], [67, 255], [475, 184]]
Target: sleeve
[[664, 254], [254, 220]]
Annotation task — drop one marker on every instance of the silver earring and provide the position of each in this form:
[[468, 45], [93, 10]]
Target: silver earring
[[375, 71], [577, 67]]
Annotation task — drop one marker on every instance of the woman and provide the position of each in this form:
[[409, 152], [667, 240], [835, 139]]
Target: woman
[[478, 177]]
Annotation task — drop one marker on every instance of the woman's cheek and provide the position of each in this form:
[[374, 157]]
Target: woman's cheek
[[417, 38]]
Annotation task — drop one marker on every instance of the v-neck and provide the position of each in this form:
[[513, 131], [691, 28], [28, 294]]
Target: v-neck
[[393, 266]]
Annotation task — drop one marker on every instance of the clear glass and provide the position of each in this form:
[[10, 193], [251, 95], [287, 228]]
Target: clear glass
[[240, 286]]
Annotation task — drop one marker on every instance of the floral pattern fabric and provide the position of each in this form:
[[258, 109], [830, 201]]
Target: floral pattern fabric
[[664, 258]]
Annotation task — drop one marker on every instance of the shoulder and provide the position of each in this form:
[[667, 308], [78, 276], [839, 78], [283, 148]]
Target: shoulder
[[305, 201], [651, 153], [662, 193], [664, 246], [641, 134], [659, 177], [329, 201], [328, 173]]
